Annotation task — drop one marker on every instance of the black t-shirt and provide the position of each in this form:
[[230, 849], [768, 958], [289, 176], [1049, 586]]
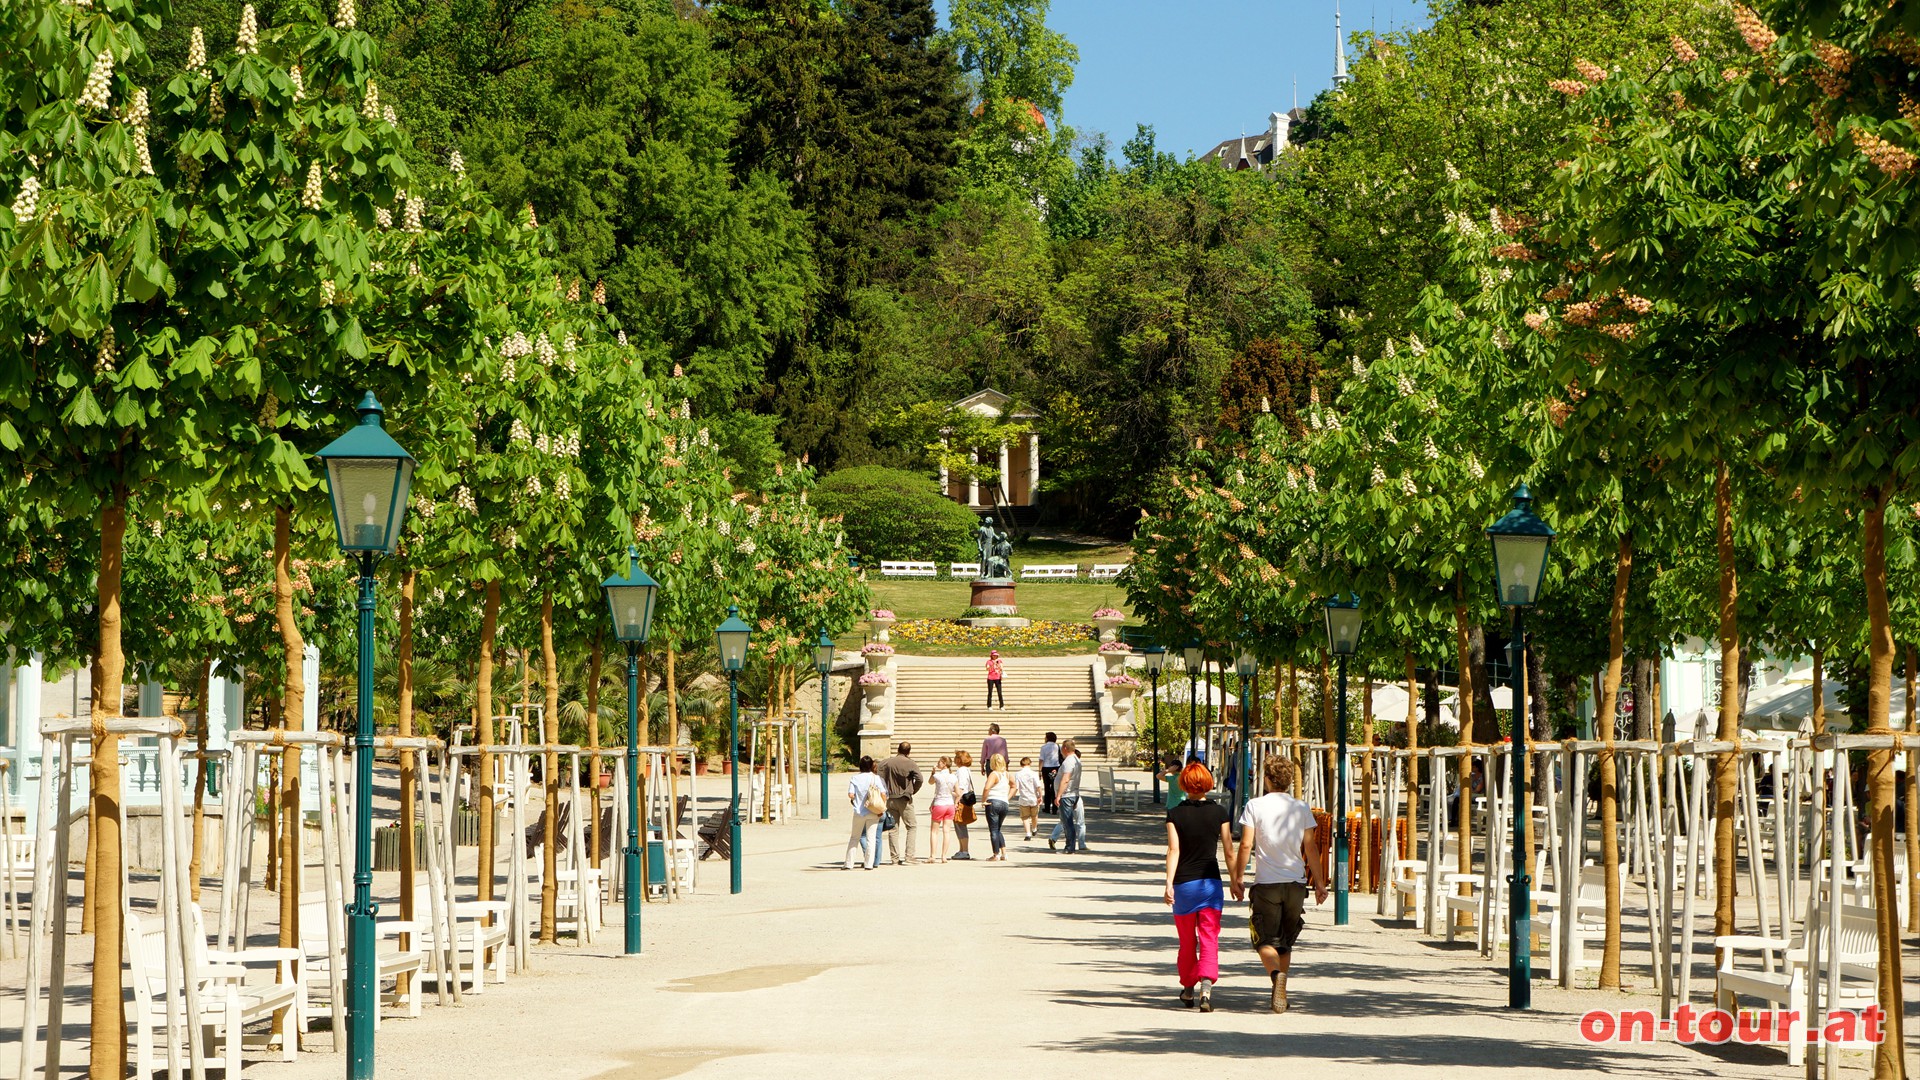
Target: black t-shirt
[[1197, 824]]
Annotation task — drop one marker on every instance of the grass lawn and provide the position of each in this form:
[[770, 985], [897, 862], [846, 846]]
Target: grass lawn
[[1042, 601]]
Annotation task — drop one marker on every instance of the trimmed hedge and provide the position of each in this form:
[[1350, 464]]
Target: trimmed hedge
[[895, 514]]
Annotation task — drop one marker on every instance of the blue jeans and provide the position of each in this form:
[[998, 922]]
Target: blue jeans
[[1079, 814], [1070, 817], [996, 817]]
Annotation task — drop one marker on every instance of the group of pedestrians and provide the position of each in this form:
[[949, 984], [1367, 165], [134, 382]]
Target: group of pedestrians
[[881, 796]]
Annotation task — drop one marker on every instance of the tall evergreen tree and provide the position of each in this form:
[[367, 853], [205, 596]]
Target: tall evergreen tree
[[859, 110]]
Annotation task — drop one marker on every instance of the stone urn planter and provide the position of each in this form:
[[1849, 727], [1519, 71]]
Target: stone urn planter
[[1121, 689], [874, 685], [882, 621], [876, 654], [1108, 622], [1114, 654]]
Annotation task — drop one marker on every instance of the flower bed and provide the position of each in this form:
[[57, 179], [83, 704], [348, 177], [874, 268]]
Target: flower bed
[[948, 632]]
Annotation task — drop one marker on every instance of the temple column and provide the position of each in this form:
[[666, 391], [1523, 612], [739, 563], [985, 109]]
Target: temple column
[[973, 481], [1006, 474], [943, 467], [1033, 468]]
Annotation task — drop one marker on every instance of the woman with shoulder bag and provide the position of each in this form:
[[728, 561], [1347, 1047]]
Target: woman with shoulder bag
[[964, 814], [867, 794]]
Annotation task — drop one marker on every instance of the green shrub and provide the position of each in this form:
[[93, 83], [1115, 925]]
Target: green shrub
[[895, 514]]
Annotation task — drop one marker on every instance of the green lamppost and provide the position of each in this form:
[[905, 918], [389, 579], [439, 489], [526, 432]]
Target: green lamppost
[[731, 638], [368, 477], [823, 663], [1343, 636], [1193, 655], [630, 603], [1520, 544], [1156, 659], [1245, 666]]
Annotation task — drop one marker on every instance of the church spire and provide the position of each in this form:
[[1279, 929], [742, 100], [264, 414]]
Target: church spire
[[1339, 50]]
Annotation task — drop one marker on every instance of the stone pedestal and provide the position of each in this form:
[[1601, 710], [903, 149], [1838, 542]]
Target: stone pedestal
[[995, 596]]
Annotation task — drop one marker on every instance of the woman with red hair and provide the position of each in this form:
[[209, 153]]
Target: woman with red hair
[[1197, 832]]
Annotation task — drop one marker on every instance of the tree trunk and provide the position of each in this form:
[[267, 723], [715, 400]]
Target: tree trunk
[[1913, 807], [108, 1057], [1413, 756], [1819, 690], [483, 735], [88, 876], [200, 779], [403, 655], [550, 734], [293, 707], [1366, 777], [1609, 771], [273, 804], [1646, 703], [673, 702], [1463, 808], [1486, 718], [1329, 731], [1725, 765], [594, 660], [1889, 1061]]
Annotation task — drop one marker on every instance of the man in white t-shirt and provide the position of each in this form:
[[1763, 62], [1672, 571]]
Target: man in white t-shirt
[[1276, 835]]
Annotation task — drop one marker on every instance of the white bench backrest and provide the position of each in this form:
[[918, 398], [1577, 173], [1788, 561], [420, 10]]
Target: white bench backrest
[[1060, 570], [890, 568], [1106, 570]]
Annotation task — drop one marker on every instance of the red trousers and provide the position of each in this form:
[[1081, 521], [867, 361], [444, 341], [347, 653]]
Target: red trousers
[[1199, 945]]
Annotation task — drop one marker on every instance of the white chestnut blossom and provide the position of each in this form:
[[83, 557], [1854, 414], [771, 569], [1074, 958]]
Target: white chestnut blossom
[[1378, 476], [370, 107], [458, 164], [519, 432], [99, 83], [1408, 486], [562, 487], [249, 36], [299, 83], [415, 205], [197, 52], [27, 202], [533, 487], [104, 359], [344, 16], [326, 292], [383, 217], [1406, 385], [545, 349], [463, 499], [1474, 470], [1430, 451], [312, 196]]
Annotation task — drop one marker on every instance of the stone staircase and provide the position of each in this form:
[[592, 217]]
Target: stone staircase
[[940, 707]]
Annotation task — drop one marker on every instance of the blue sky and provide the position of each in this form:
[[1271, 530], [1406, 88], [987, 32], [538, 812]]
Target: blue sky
[[1201, 71]]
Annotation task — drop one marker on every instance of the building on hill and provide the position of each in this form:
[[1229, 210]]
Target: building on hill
[[1018, 461], [1257, 152]]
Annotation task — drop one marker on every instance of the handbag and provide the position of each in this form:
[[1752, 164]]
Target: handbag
[[886, 822], [964, 815], [969, 799], [876, 800]]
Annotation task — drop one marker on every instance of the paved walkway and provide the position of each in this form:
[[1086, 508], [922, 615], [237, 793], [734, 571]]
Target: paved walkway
[[1049, 967]]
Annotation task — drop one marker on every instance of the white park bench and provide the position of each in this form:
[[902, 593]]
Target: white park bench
[[963, 571], [1105, 571], [1055, 572], [227, 1001], [892, 568], [1784, 984]]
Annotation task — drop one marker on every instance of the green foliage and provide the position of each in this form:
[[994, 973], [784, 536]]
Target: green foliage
[[892, 514]]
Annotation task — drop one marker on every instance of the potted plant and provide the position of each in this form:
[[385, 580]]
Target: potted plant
[[1108, 621], [874, 684], [1121, 688], [876, 653], [882, 619], [1115, 654]]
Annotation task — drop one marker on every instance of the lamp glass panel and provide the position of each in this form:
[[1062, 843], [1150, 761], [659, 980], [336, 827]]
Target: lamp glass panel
[[733, 649], [1343, 630], [1518, 564], [1246, 665], [363, 492], [1156, 659], [632, 609], [823, 656], [1192, 655]]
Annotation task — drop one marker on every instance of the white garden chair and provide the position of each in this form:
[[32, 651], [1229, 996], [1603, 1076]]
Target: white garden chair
[[227, 1003]]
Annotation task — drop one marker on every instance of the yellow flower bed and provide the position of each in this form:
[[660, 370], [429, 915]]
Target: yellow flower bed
[[948, 632]]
